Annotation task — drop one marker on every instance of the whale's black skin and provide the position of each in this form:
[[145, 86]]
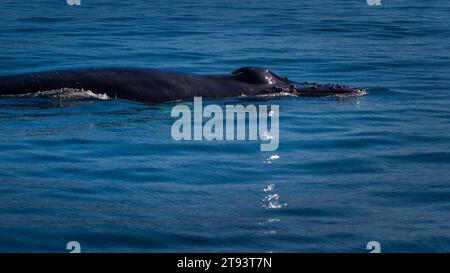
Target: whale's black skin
[[154, 86]]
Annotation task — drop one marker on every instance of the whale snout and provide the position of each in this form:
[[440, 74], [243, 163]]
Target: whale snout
[[307, 89], [269, 81]]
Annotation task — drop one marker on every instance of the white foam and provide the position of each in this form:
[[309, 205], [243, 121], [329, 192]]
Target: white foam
[[359, 93], [64, 93]]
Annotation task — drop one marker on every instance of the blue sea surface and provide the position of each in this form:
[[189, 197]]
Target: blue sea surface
[[108, 174]]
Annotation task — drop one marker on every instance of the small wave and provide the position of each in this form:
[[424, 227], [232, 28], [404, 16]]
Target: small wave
[[271, 159], [269, 187], [377, 89], [279, 94], [359, 93], [64, 93]]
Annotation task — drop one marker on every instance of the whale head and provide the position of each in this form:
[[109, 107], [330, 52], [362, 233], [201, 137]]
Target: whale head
[[272, 82]]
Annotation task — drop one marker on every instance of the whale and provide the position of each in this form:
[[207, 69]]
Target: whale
[[158, 86]]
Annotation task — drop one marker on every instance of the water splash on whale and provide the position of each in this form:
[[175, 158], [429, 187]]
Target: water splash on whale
[[63, 93]]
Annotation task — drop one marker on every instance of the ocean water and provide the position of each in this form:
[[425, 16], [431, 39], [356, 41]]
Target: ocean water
[[106, 173]]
